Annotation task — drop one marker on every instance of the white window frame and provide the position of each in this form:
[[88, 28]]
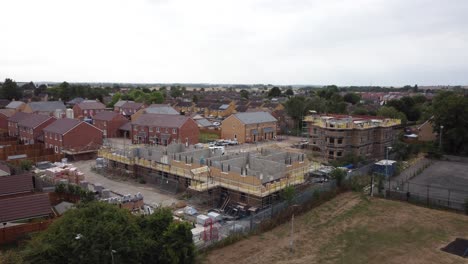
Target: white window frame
[[174, 131]]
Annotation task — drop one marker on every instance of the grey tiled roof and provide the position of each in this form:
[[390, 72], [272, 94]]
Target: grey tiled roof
[[48, 106], [61, 126], [105, 115], [255, 117], [14, 104], [34, 120], [159, 120], [161, 109]]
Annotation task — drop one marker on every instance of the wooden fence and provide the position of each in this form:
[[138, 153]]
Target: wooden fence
[[13, 233], [34, 160]]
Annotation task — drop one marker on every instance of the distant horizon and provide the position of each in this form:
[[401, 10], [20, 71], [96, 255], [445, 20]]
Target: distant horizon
[[233, 84]]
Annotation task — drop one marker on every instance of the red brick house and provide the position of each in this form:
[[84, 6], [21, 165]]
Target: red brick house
[[30, 129], [109, 122], [72, 135], [164, 129], [13, 123], [87, 109], [4, 115]]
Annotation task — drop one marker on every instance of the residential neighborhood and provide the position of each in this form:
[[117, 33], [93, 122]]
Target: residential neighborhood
[[207, 132]]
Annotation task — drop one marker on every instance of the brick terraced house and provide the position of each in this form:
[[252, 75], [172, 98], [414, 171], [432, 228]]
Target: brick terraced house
[[72, 136], [249, 127], [87, 109], [30, 129], [164, 129], [109, 122]]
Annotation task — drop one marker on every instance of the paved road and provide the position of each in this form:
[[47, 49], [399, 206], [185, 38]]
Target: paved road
[[152, 196]]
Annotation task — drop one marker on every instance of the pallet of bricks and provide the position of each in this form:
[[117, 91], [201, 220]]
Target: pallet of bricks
[[64, 174]]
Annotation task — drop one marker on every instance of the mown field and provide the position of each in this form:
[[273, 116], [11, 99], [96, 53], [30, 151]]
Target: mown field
[[354, 229]]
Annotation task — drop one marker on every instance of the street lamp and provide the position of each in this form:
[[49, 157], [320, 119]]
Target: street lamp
[[440, 137]]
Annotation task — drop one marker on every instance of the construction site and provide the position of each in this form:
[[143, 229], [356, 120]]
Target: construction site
[[251, 180]]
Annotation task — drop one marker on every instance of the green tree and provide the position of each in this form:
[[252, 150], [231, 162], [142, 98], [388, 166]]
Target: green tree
[[352, 98], [178, 244], [115, 98], [175, 92], [195, 98], [289, 92], [274, 92], [451, 111], [26, 165], [338, 175], [288, 194], [244, 94], [87, 235], [391, 112], [90, 233], [156, 97], [10, 90]]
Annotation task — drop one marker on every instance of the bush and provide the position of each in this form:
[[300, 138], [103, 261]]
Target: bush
[[25, 165], [141, 180]]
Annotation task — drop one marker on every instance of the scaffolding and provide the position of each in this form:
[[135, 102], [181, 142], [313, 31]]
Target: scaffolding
[[257, 174]]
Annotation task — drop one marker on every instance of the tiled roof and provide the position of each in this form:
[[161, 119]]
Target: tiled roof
[[161, 109], [49, 106], [184, 104], [76, 100], [255, 117], [14, 104], [132, 105], [242, 108], [126, 127], [204, 122], [7, 112], [33, 120], [91, 105], [4, 170], [61, 126], [25, 207], [121, 102], [4, 102], [161, 120], [18, 116], [105, 115], [14, 184]]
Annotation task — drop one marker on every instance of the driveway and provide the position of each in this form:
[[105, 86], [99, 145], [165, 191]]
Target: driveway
[[152, 196]]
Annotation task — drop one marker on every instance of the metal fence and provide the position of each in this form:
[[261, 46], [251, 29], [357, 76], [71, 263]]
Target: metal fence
[[428, 195], [253, 222]]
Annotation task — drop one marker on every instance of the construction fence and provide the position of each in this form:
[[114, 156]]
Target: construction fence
[[266, 218], [427, 195]]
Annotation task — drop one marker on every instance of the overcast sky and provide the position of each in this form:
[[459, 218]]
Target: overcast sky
[[355, 42]]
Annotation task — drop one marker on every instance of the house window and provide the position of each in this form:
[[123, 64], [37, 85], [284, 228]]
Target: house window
[[56, 149], [150, 129], [340, 141], [135, 128], [332, 140], [339, 154], [167, 130], [158, 130], [55, 136], [60, 136], [174, 131], [105, 124]]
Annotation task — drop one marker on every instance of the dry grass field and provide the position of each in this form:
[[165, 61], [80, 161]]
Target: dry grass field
[[354, 229]]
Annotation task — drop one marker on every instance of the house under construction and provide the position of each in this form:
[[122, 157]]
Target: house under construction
[[251, 178]]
